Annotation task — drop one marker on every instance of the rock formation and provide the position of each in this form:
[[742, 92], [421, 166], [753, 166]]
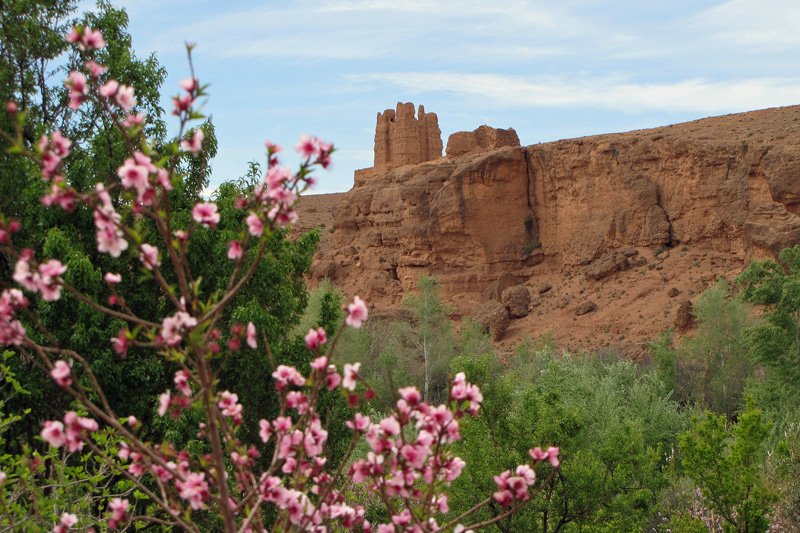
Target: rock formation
[[480, 140], [571, 214], [403, 139]]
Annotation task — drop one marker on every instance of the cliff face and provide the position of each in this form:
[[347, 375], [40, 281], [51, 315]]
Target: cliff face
[[732, 182]]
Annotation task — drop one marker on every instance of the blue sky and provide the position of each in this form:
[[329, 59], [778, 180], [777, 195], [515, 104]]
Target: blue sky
[[551, 70]]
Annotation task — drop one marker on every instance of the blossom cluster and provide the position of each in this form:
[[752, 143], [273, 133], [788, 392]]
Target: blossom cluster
[[409, 462], [45, 279], [71, 433], [12, 332]]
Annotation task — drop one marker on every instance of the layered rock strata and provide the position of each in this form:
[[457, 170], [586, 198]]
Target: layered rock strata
[[732, 183]]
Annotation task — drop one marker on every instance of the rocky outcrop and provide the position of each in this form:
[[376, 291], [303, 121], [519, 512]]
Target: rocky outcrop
[[684, 318], [517, 300], [585, 307], [480, 140], [493, 319], [730, 183], [404, 139]]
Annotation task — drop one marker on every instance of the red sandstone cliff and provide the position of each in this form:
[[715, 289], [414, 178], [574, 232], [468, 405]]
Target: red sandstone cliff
[[725, 189]]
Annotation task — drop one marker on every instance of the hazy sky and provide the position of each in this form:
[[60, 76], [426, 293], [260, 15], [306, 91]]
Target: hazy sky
[[551, 70]]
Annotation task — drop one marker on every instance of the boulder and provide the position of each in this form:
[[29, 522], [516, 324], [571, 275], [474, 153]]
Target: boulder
[[517, 300], [684, 319], [495, 289], [493, 318], [585, 307], [607, 265]]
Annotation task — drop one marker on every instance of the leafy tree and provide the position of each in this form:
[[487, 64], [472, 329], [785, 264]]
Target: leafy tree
[[710, 368], [433, 338], [32, 44], [618, 425], [775, 342], [726, 464]]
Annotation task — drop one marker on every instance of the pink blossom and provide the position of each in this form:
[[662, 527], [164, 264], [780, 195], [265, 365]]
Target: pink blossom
[[182, 104], [527, 473], [23, 273], [134, 174], [162, 473], [53, 433], [282, 424], [255, 226], [132, 121], [61, 374], [282, 216], [173, 327], [359, 423], [410, 395], [119, 512], [235, 250], [307, 147], [415, 454], [53, 150], [189, 84], [76, 426], [12, 332], [320, 363], [74, 35], [277, 177], [251, 336], [356, 313], [60, 195], [265, 430], [194, 489], [125, 97], [110, 238], [92, 39], [112, 279], [95, 69], [181, 381], [205, 213], [350, 376], [66, 521], [76, 83], [230, 406], [148, 255], [48, 281], [551, 455], [109, 88], [286, 375], [316, 338], [389, 425], [194, 143], [271, 147], [332, 378], [86, 38], [163, 403], [120, 343], [297, 400]]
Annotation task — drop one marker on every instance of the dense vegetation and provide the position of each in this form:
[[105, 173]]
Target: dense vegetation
[[701, 436], [705, 435]]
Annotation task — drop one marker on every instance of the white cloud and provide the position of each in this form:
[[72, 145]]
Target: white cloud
[[694, 95], [371, 29], [760, 23]]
